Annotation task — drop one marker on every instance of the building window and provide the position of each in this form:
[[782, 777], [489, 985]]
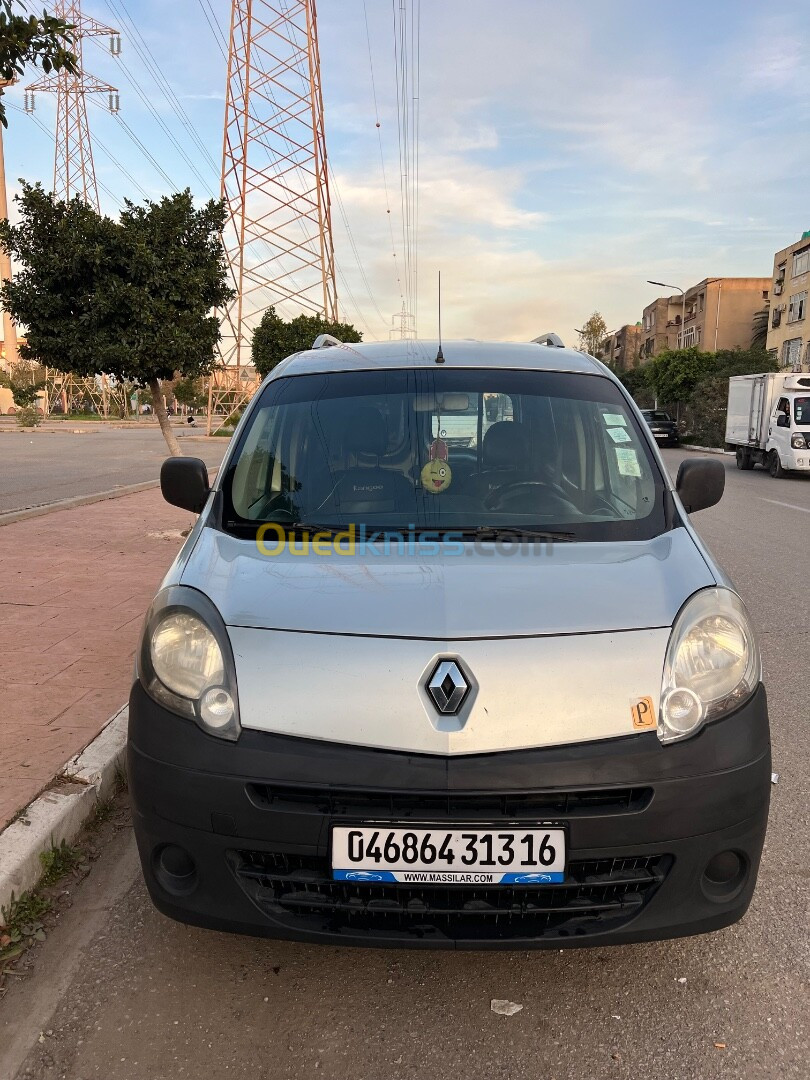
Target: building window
[[791, 354], [688, 338], [801, 262], [701, 301], [798, 306]]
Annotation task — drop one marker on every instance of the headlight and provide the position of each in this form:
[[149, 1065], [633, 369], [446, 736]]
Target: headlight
[[712, 663], [797, 440], [185, 661]]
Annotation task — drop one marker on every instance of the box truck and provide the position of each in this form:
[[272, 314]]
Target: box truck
[[768, 421]]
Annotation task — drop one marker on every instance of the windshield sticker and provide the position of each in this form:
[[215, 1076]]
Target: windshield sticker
[[619, 434], [436, 476], [614, 419], [627, 461], [642, 711]]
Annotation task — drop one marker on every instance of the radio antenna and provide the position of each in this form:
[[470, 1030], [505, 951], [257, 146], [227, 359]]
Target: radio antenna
[[440, 354]]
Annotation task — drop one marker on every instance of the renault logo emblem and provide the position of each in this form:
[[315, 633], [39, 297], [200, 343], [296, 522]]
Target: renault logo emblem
[[447, 687]]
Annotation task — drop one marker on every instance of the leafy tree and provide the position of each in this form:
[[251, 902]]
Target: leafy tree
[[190, 392], [759, 327], [31, 39], [131, 299], [674, 373], [274, 339], [593, 334]]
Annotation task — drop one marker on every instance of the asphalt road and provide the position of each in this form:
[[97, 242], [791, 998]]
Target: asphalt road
[[121, 992], [43, 467]]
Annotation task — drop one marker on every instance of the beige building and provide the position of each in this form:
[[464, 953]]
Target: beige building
[[622, 348], [719, 314], [788, 332]]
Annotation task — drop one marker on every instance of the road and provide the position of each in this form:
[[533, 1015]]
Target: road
[[121, 993], [42, 467]]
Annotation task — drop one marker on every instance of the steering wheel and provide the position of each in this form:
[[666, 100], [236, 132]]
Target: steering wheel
[[508, 492]]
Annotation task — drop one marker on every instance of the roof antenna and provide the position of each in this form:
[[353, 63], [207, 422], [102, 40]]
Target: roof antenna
[[440, 354]]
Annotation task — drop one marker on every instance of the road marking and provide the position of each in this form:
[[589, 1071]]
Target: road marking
[[790, 506]]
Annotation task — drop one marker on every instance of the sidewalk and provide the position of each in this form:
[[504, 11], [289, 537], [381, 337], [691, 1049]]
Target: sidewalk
[[74, 587]]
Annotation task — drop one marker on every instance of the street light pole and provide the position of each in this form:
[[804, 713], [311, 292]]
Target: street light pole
[[683, 303]]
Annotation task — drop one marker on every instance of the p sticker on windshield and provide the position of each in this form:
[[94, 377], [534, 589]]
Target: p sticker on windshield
[[614, 419], [627, 461], [619, 434], [643, 712]]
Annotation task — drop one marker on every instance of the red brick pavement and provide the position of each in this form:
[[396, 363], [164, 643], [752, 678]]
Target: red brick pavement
[[74, 586]]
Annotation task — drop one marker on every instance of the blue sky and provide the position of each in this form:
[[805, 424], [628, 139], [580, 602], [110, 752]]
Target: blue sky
[[568, 151]]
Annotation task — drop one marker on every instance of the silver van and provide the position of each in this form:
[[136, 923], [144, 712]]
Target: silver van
[[405, 689]]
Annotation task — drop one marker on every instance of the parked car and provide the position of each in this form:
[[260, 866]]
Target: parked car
[[395, 692], [663, 427]]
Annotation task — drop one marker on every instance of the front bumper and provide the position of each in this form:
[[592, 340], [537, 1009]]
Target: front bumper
[[643, 821]]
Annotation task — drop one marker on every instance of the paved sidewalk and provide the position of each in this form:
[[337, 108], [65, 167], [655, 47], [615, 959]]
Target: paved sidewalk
[[74, 586]]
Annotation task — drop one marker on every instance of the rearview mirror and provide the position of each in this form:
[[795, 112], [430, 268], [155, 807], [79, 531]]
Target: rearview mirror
[[184, 482], [700, 483]]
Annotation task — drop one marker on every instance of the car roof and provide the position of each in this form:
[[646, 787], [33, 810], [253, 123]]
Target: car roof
[[374, 355]]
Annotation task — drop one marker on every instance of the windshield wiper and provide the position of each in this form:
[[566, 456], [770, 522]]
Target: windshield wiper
[[504, 532], [313, 527]]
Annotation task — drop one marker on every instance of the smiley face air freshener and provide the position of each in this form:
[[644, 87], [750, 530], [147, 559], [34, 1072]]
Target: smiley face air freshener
[[436, 473]]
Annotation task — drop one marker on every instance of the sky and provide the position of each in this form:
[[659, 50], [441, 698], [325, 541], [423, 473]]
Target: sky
[[567, 151]]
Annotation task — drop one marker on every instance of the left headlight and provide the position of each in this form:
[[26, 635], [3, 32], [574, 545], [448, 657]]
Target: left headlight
[[185, 661], [712, 663], [797, 440]]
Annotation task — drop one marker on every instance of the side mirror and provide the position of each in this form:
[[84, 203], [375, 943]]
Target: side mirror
[[782, 420], [184, 482], [700, 483]]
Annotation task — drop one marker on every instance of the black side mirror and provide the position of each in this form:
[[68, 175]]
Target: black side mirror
[[184, 482], [782, 420], [700, 483]]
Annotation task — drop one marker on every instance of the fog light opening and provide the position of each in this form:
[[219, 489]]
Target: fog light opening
[[174, 869], [725, 875]]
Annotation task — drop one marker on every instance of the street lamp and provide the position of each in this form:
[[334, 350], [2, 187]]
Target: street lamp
[[683, 303]]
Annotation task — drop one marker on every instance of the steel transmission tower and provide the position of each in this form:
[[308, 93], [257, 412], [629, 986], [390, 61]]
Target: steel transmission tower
[[278, 234], [74, 172]]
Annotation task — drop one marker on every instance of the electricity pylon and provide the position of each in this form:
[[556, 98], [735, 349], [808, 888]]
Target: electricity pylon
[[74, 172], [275, 183]]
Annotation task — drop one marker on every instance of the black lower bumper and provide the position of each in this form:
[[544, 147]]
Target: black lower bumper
[[663, 841]]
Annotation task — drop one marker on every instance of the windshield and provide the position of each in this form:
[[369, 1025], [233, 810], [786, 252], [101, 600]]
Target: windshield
[[439, 449], [801, 410], [650, 414]]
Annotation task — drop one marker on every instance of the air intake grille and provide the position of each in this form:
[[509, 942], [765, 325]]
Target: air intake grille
[[597, 895]]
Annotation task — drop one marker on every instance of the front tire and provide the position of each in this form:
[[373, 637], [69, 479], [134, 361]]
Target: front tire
[[775, 466], [744, 459]]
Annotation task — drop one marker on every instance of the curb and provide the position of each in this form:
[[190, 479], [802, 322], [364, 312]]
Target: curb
[[706, 449], [58, 814], [79, 500]]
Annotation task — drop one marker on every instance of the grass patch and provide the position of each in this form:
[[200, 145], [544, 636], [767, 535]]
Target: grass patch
[[58, 862]]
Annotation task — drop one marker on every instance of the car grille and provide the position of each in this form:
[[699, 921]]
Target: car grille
[[457, 806], [597, 895]]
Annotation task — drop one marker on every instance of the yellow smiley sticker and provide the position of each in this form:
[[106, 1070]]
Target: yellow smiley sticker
[[436, 476]]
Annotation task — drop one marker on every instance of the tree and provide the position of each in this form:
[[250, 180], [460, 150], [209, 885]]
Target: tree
[[190, 392], [132, 299], [274, 339], [759, 327], [31, 39], [593, 334]]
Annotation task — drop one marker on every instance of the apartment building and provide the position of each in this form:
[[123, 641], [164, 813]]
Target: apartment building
[[717, 313], [622, 348], [788, 333]]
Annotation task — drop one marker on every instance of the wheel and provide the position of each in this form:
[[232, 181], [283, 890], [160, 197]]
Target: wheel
[[744, 459], [775, 466]]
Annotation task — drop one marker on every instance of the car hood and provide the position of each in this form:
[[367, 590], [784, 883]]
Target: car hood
[[564, 588]]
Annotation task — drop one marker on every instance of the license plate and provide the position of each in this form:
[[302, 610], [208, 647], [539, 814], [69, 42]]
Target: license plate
[[435, 855]]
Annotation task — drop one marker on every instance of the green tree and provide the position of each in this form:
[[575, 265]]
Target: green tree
[[31, 39], [593, 334], [132, 299], [274, 339], [759, 327], [190, 392], [674, 373]]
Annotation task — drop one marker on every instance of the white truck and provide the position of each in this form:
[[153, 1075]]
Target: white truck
[[768, 421]]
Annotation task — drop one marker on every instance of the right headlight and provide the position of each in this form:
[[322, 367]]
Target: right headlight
[[186, 663], [712, 663]]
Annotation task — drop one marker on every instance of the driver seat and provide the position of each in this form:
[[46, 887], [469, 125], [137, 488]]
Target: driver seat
[[505, 454]]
